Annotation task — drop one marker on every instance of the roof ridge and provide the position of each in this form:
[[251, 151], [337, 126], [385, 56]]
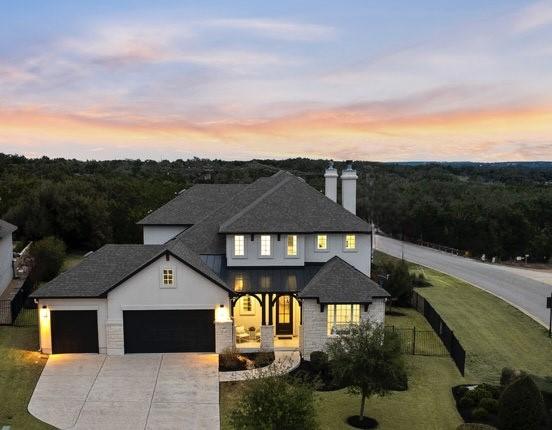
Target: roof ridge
[[258, 200]]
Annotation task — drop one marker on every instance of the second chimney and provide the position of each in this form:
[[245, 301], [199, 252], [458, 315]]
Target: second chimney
[[330, 177], [348, 187]]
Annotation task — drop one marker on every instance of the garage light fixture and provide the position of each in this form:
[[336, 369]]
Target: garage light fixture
[[221, 314]]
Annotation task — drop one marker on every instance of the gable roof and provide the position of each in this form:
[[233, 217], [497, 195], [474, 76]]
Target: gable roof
[[111, 265], [6, 228], [192, 205], [339, 282], [293, 206], [204, 237]]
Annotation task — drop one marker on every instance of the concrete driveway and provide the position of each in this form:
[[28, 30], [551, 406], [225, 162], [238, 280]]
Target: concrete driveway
[[136, 391]]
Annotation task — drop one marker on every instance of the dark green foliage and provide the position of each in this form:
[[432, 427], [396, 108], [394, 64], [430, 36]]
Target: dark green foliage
[[474, 426], [466, 402], [48, 255], [480, 414], [492, 389], [491, 405], [508, 375], [521, 406], [275, 402], [397, 279], [263, 358], [368, 360], [478, 393], [319, 361]]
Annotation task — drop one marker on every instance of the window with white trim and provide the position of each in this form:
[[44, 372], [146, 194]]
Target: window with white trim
[[265, 245], [167, 278], [322, 242], [247, 307], [342, 317], [350, 242], [292, 245], [239, 245]]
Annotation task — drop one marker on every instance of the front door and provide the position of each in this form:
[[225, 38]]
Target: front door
[[284, 316]]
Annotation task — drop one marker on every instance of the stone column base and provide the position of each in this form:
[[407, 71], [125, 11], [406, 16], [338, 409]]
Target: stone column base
[[267, 337], [224, 336]]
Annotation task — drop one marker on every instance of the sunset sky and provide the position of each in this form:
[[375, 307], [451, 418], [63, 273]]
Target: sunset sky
[[372, 80]]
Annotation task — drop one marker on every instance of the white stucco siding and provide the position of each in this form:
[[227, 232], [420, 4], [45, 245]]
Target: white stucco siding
[[359, 258], [99, 305], [6, 257], [160, 234], [278, 255], [144, 290]]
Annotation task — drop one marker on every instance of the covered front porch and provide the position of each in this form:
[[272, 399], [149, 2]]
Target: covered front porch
[[266, 321]]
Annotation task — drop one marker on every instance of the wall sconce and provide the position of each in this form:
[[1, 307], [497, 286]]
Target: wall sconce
[[221, 314], [45, 312]]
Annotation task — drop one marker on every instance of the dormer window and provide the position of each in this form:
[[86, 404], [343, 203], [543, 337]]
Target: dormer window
[[239, 245], [350, 242], [292, 245], [322, 242], [167, 278], [266, 246]]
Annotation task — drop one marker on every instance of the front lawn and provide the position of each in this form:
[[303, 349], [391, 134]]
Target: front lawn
[[20, 368], [427, 405], [493, 333]]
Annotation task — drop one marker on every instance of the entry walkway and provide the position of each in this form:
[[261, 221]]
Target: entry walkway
[[135, 391]]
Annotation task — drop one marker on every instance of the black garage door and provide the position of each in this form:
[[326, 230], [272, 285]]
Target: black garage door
[[169, 331], [74, 331]]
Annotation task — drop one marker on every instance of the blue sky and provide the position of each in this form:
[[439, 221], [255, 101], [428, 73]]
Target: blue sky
[[400, 80]]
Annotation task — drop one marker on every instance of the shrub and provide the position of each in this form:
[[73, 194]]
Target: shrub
[[466, 402], [521, 406], [275, 402], [509, 375], [477, 394], [319, 361], [263, 358], [480, 414], [492, 389], [48, 255], [491, 405], [231, 360], [474, 426]]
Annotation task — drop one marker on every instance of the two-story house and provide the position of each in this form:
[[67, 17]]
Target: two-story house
[[6, 254], [271, 264]]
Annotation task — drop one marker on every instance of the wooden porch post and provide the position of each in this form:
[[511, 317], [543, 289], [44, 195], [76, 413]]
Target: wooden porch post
[[270, 304], [263, 306]]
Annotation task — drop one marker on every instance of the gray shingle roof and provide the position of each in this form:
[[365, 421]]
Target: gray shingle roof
[[293, 206], [6, 228], [204, 237], [109, 266], [339, 282], [193, 204]]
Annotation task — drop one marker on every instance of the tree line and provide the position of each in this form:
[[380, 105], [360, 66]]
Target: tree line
[[500, 209]]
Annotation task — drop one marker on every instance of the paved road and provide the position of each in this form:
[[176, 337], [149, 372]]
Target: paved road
[[527, 294]]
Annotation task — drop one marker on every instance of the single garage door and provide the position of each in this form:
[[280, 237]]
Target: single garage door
[[169, 331], [74, 331]]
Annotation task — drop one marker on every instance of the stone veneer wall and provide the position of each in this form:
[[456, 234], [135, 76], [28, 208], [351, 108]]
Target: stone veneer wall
[[314, 333], [115, 338], [224, 335]]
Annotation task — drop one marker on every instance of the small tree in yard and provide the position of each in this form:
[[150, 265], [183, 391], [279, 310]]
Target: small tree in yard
[[521, 406], [368, 360], [275, 402], [48, 255]]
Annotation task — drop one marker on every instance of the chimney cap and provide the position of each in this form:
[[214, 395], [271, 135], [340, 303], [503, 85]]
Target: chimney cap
[[349, 165], [330, 165]]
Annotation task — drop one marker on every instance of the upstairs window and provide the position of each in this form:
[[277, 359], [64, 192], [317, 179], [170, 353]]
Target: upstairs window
[[292, 245], [265, 245], [350, 241], [239, 245], [322, 242], [167, 278], [342, 317]]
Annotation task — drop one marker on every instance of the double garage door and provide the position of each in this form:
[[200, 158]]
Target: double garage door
[[144, 331]]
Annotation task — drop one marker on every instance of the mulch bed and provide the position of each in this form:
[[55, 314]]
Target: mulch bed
[[322, 381], [366, 423], [244, 361]]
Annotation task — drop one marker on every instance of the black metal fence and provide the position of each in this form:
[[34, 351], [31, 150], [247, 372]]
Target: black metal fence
[[419, 342], [20, 303], [442, 330]]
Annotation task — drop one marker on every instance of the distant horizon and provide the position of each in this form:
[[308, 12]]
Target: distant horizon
[[396, 81], [288, 158]]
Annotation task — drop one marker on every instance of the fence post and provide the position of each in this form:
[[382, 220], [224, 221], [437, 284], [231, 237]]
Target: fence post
[[414, 340]]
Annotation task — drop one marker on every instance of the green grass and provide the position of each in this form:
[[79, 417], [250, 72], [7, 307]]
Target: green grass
[[493, 333], [20, 367], [427, 404]]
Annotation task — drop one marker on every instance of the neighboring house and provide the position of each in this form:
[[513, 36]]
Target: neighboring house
[[6, 254], [271, 264]]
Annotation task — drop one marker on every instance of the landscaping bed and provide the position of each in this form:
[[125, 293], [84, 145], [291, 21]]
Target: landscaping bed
[[234, 361]]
